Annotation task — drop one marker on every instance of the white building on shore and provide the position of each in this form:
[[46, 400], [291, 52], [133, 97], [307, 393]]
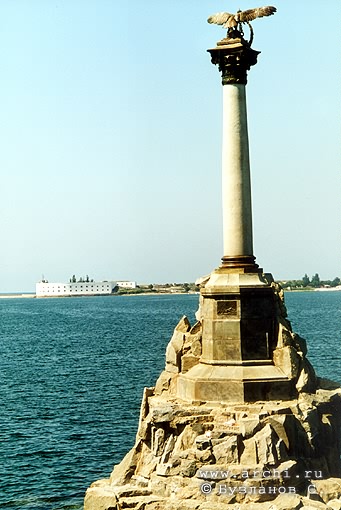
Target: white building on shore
[[46, 289], [124, 284]]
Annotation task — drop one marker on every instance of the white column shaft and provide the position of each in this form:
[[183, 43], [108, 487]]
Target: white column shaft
[[237, 212]]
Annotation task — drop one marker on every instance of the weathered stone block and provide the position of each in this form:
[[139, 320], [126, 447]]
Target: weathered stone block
[[160, 414], [159, 485], [311, 504], [172, 369], [174, 348], [249, 455], [284, 335], [163, 382], [158, 441], [185, 440], [169, 446], [203, 442], [287, 502], [248, 426], [328, 489], [173, 356], [188, 361], [227, 451], [101, 498], [205, 456], [287, 359], [222, 340], [123, 472], [307, 379], [266, 440], [334, 504], [188, 468], [300, 344]]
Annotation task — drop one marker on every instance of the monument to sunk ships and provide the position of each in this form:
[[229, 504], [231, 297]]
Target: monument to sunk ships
[[238, 418]]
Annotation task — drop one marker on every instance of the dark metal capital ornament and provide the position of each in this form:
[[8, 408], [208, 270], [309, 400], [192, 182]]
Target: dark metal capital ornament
[[234, 57]]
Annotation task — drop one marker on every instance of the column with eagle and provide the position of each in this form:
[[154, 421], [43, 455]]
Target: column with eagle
[[239, 302], [234, 56]]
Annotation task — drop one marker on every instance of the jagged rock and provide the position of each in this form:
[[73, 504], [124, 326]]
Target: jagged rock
[[159, 485], [249, 453], [187, 505], [173, 369], [161, 414], [203, 442], [163, 383], [174, 348], [287, 359], [144, 421], [188, 361], [327, 384], [146, 464], [278, 424], [300, 343], [196, 328], [168, 449], [131, 491], [328, 489], [193, 339], [123, 472], [188, 468], [266, 440], [312, 504], [248, 426], [158, 441], [100, 498], [186, 439], [284, 334], [140, 503], [204, 456], [173, 357], [181, 446], [307, 379], [287, 502], [334, 504], [227, 451]]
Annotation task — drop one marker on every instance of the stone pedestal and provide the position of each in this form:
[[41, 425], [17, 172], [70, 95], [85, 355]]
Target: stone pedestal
[[240, 318]]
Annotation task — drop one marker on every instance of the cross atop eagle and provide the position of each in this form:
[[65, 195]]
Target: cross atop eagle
[[234, 22]]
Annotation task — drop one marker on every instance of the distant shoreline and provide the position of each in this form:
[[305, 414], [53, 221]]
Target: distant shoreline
[[26, 295], [18, 295]]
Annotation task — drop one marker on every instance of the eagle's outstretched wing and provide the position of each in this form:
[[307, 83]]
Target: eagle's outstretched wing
[[259, 12], [221, 18]]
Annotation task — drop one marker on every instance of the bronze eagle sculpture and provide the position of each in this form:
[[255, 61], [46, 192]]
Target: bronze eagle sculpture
[[234, 21]]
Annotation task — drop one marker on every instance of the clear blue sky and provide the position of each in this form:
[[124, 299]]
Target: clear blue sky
[[111, 140]]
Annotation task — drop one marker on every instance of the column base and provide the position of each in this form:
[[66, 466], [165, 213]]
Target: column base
[[217, 383], [246, 262]]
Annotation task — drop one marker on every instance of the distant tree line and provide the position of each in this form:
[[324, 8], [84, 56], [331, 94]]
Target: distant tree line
[[313, 282], [73, 279]]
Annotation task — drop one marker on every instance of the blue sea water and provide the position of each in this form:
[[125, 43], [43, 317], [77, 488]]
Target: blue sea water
[[72, 372]]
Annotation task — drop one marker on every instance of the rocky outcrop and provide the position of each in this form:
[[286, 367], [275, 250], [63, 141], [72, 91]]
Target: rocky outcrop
[[266, 455], [201, 456]]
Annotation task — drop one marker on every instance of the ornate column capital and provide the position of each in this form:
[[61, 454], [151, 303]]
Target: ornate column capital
[[234, 56]]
